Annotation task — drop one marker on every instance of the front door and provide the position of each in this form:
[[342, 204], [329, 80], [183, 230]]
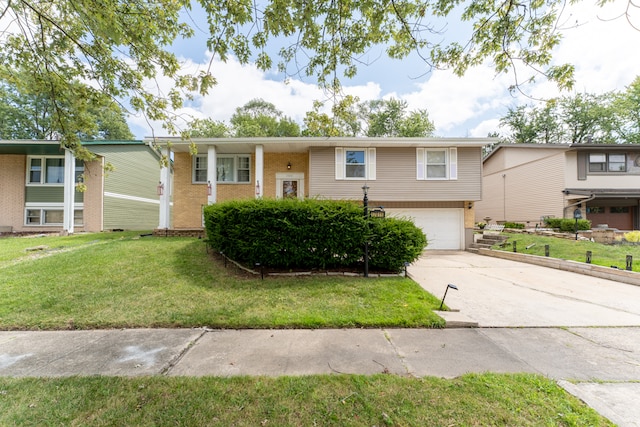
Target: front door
[[290, 185]]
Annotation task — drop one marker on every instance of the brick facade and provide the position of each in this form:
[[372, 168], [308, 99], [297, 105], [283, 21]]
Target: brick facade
[[12, 182], [189, 198]]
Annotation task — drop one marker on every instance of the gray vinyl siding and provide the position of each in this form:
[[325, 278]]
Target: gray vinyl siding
[[130, 215], [48, 194], [396, 177], [136, 174]]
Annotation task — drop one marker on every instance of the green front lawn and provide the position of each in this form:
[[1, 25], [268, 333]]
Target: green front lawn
[[323, 400], [575, 250], [122, 280]]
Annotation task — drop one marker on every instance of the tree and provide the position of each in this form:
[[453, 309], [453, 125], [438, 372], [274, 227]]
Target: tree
[[587, 118], [31, 116], [388, 118], [208, 128], [261, 118], [343, 122], [569, 119], [376, 118], [626, 107], [119, 46]]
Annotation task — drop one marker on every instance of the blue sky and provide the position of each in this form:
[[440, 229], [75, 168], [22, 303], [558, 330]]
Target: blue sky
[[603, 50]]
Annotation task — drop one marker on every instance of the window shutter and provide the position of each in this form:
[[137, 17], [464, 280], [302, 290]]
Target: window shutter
[[583, 160], [371, 164], [339, 163], [420, 163], [453, 163]]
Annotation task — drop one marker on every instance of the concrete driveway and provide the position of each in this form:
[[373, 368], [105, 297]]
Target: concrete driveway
[[496, 292], [580, 330]]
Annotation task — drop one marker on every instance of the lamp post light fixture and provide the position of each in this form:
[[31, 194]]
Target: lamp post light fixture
[[365, 204], [577, 214], [445, 293]]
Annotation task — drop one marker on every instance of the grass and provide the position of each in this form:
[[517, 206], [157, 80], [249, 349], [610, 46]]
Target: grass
[[327, 400], [575, 250], [124, 280], [118, 280]]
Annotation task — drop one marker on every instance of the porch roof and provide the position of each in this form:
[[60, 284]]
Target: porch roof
[[303, 144]]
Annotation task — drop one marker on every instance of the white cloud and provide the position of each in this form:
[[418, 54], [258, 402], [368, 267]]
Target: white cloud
[[600, 48]]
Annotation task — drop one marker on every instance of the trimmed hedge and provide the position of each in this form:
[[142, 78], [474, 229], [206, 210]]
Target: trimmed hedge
[[567, 224], [514, 225], [309, 234]]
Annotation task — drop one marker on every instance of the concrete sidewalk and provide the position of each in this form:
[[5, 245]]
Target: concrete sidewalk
[[588, 362]]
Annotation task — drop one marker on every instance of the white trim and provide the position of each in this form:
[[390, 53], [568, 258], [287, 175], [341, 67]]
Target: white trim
[[339, 173], [290, 176], [453, 163], [259, 171], [69, 178], [420, 169], [131, 198], [212, 158], [371, 164], [164, 214]]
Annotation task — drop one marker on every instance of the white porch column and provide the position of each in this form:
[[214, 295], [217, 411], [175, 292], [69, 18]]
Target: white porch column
[[165, 188], [212, 176], [259, 171], [69, 191]]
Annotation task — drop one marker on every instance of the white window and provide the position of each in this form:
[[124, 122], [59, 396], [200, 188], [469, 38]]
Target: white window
[[51, 215], [437, 163], [229, 168], [49, 170], [200, 168], [355, 163], [601, 162], [233, 169]]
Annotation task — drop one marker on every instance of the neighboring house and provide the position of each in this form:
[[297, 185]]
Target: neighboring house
[[434, 181], [38, 187], [525, 182]]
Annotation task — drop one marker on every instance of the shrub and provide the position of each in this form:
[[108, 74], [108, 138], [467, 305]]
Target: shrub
[[394, 241], [514, 225], [567, 224], [308, 234], [632, 236]]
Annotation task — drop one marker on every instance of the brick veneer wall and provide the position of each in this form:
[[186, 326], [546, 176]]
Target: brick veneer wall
[[12, 182], [189, 198]]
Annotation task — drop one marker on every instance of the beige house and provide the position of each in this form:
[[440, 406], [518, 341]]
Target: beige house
[[433, 181], [38, 187], [525, 182]]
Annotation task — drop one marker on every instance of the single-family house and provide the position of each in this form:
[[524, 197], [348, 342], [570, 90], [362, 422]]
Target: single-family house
[[434, 181], [38, 187], [525, 182]]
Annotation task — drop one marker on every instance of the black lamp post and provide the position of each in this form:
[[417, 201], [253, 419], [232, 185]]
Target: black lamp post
[[577, 214], [365, 203]]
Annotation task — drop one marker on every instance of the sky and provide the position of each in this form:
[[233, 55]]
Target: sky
[[603, 47]]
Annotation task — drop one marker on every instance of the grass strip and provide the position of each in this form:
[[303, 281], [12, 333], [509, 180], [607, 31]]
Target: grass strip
[[322, 400]]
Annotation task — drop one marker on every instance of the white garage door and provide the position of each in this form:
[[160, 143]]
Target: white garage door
[[444, 227]]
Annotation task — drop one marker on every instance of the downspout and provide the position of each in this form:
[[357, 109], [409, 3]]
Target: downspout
[[581, 201]]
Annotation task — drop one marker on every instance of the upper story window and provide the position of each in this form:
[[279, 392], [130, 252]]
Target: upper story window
[[229, 168], [49, 170], [356, 163], [602, 162], [437, 163]]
